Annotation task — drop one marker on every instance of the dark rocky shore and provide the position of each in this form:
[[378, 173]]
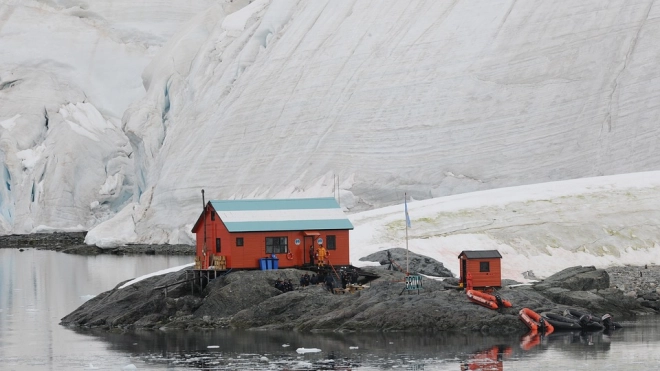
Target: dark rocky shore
[[74, 243], [249, 300]]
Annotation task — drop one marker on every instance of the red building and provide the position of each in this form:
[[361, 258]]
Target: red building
[[241, 232], [484, 266]]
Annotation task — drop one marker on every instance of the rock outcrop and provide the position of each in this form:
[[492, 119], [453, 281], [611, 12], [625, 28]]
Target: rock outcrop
[[588, 288], [417, 264], [249, 300]]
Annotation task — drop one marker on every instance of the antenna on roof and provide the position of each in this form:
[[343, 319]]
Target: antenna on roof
[[335, 188], [204, 212], [338, 193]]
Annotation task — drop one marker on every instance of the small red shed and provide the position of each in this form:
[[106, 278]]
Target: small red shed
[[484, 266], [241, 232]]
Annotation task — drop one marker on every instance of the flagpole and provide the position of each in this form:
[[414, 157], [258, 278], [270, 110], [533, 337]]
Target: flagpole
[[405, 201]]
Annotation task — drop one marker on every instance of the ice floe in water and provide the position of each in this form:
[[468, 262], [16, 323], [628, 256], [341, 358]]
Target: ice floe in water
[[307, 350]]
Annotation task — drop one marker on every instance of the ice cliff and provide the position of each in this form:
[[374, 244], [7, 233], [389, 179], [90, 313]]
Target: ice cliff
[[275, 98]]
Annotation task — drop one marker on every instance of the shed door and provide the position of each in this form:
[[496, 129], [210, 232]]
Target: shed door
[[464, 271]]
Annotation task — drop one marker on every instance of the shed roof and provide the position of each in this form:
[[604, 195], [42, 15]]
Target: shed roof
[[295, 214], [480, 254]]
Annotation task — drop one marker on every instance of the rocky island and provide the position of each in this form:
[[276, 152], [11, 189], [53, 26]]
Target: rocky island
[[250, 300]]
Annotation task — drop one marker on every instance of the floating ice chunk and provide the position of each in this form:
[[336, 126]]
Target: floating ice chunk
[[263, 359], [213, 346], [307, 350], [285, 345], [353, 347]]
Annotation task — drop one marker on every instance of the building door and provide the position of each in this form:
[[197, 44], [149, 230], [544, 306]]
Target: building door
[[308, 249], [464, 272]]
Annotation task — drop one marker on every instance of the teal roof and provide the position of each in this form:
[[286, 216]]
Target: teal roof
[[275, 204], [255, 215]]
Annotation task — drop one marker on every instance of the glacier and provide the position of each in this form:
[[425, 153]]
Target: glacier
[[68, 71], [281, 98]]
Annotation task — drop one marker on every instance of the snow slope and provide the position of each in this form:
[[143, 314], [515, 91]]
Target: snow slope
[[274, 98], [543, 228], [539, 229], [429, 97]]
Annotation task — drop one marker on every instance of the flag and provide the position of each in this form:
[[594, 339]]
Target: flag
[[405, 203]]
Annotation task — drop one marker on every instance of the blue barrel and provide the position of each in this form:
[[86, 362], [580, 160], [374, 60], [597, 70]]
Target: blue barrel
[[263, 264], [276, 262]]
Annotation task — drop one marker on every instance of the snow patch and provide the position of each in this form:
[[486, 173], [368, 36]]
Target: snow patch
[[112, 183], [30, 157], [114, 232], [10, 123], [237, 20], [159, 273], [82, 131]]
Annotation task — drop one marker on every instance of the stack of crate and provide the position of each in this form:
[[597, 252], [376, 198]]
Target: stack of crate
[[198, 263], [220, 262]]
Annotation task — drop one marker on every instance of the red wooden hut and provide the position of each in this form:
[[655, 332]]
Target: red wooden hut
[[484, 266], [241, 232]]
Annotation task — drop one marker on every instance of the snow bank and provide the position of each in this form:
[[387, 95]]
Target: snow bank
[[545, 227]]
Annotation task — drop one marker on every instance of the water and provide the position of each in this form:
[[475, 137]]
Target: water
[[38, 288]]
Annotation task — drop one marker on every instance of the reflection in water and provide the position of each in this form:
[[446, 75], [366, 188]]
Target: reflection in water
[[38, 288], [261, 350], [339, 351], [491, 359]]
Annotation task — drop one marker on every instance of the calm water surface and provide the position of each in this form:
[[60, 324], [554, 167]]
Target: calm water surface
[[38, 288]]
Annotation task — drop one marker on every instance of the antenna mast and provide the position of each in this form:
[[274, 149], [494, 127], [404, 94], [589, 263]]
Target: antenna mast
[[204, 216]]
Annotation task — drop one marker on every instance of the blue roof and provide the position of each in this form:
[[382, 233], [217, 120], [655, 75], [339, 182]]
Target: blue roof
[[298, 214]]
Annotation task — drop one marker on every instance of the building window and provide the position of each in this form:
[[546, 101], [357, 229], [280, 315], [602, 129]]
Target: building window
[[217, 245], [331, 242], [212, 215], [276, 245], [484, 266], [239, 241]]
